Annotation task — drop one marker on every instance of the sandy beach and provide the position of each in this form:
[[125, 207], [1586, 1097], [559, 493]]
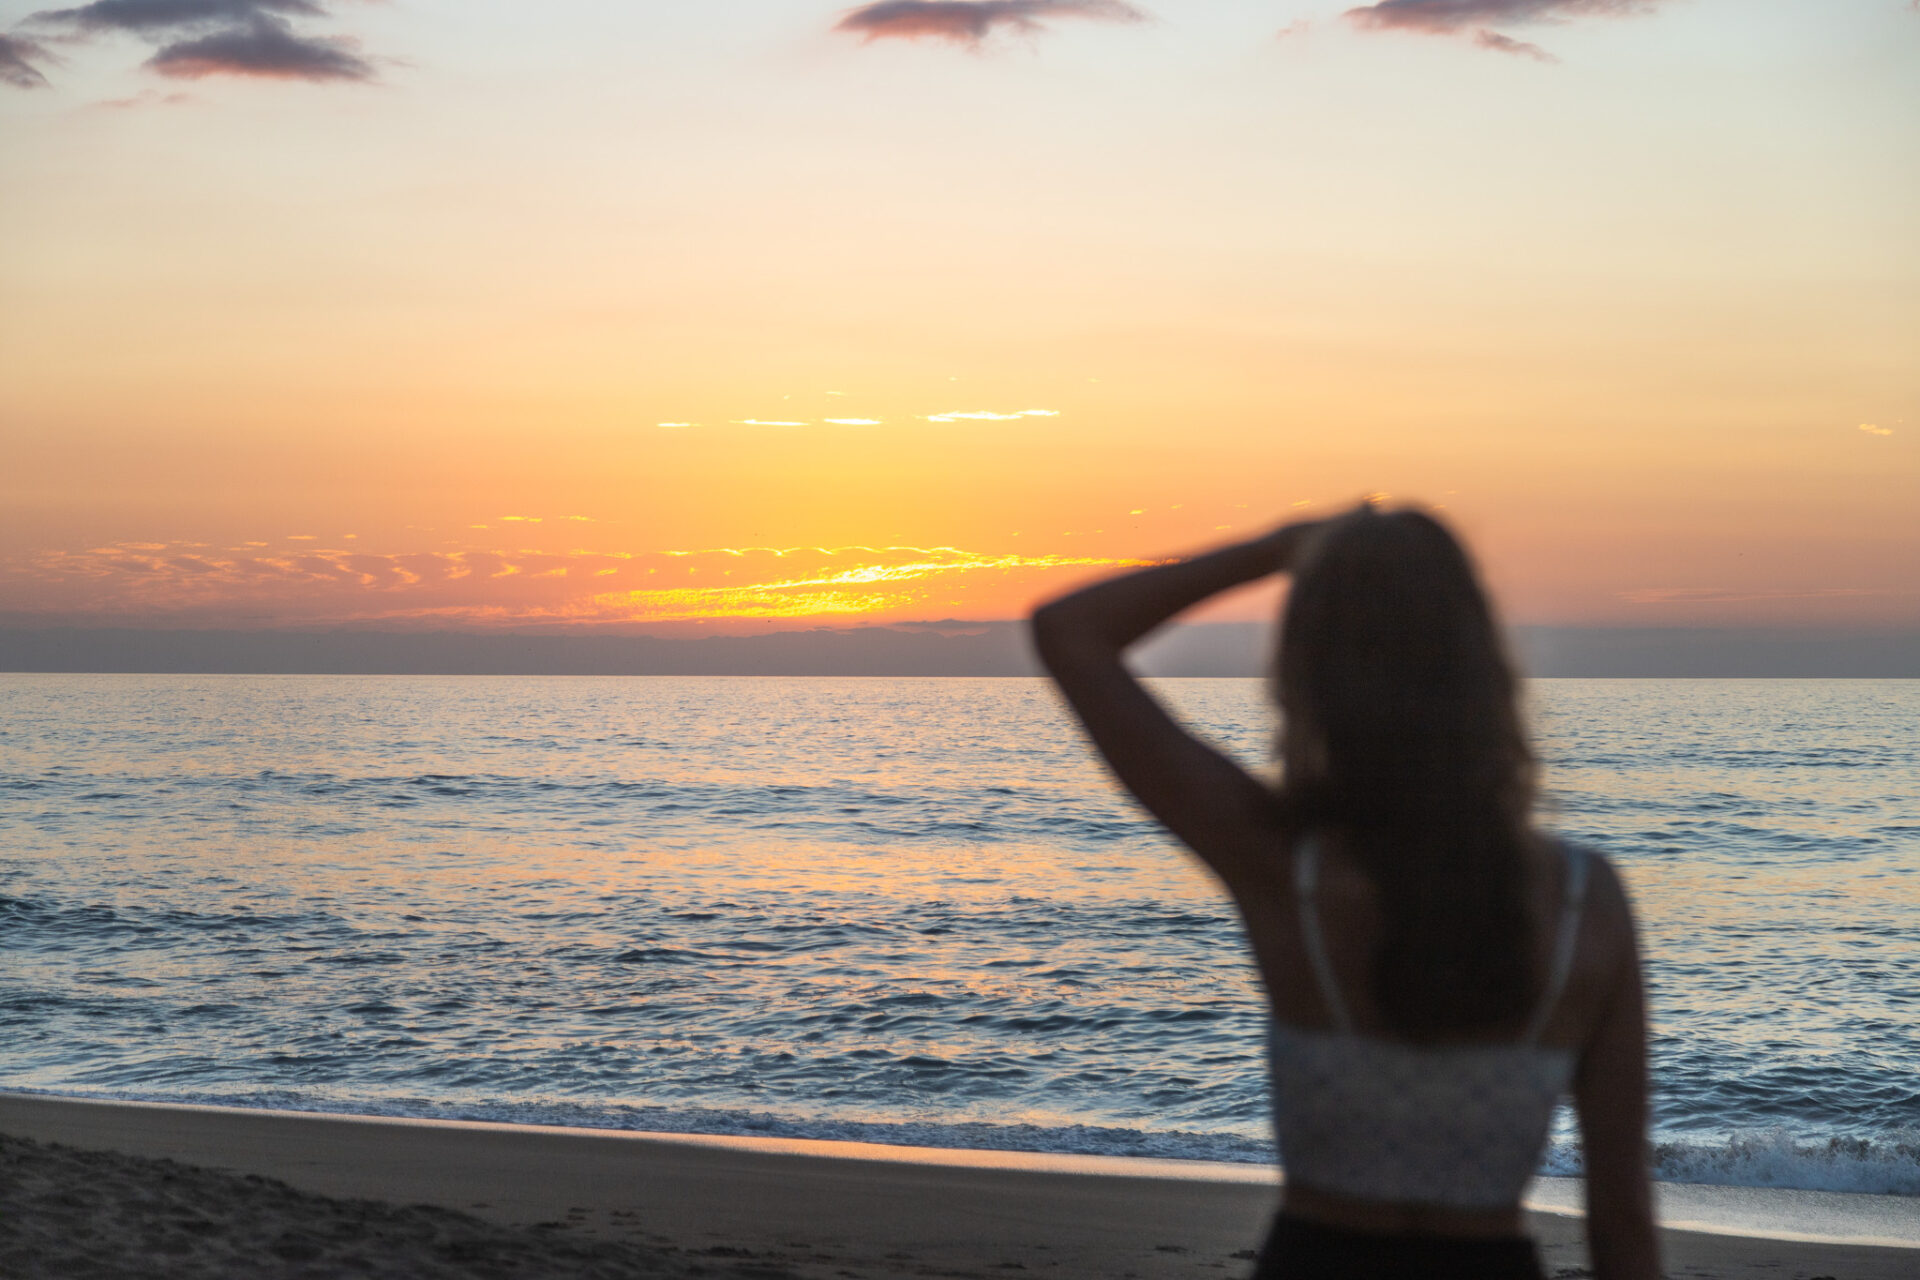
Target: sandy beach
[[105, 1189]]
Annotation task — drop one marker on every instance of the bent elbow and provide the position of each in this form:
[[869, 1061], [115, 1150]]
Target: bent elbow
[[1046, 629], [1061, 638]]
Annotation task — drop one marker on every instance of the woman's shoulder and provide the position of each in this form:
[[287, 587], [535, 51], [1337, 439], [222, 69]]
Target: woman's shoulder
[[1605, 930], [1603, 894]]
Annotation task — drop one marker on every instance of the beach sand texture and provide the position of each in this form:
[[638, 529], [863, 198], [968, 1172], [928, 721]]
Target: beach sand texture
[[195, 1192]]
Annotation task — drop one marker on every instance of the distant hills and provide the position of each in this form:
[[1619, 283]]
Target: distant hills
[[922, 649]]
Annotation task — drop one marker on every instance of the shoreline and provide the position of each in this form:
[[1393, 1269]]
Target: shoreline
[[1807, 1215], [814, 1204]]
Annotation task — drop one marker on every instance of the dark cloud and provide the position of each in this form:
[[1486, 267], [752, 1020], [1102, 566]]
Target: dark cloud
[[220, 37], [17, 57], [1461, 17], [972, 21], [170, 15], [262, 48], [1448, 16]]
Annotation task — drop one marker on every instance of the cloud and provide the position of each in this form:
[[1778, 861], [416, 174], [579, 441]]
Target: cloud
[[1507, 44], [264, 48], [182, 583], [220, 37], [167, 15], [17, 57], [1449, 16], [1464, 17], [1732, 595], [954, 415], [148, 98], [881, 579], [970, 22], [987, 415], [1870, 428]]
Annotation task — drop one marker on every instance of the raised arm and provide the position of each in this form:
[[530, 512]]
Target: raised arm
[[1202, 797], [1610, 1092]]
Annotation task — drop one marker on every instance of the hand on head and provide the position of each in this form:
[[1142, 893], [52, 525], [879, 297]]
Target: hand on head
[[1287, 544]]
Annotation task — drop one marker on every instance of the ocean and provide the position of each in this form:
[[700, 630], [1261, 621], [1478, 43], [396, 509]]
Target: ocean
[[907, 911]]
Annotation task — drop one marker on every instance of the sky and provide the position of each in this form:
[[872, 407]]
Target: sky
[[604, 316]]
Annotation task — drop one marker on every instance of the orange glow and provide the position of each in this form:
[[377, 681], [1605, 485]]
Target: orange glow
[[441, 346], [827, 595], [187, 584]]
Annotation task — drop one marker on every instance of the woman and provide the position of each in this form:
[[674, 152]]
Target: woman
[[1438, 971]]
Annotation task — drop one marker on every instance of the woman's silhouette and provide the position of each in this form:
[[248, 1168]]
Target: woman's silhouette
[[1438, 971]]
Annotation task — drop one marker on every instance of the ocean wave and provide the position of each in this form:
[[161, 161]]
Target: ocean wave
[[1776, 1158], [910, 811]]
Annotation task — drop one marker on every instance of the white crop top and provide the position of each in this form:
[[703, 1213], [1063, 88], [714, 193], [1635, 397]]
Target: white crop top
[[1452, 1126]]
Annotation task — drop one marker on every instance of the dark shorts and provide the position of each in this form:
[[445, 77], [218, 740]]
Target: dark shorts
[[1298, 1249]]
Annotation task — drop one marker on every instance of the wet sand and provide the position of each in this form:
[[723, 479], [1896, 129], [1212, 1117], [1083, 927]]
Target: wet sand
[[206, 1192]]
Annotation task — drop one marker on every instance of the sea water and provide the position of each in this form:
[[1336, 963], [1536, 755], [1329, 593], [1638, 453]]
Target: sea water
[[893, 910]]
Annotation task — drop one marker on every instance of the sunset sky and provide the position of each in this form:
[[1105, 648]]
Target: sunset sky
[[649, 316]]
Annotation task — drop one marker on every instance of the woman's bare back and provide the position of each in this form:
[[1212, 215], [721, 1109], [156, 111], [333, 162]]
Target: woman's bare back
[[1346, 906]]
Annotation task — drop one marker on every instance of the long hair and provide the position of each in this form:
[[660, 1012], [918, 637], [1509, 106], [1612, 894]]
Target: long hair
[[1400, 731]]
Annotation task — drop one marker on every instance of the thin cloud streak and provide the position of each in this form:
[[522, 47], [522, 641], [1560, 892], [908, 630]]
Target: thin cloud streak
[[1446, 16], [1728, 595], [164, 582], [843, 591], [148, 98], [1474, 18], [986, 415], [971, 22], [1507, 44], [951, 416]]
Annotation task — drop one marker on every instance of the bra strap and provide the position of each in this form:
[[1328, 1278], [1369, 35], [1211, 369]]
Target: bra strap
[[1306, 881], [1566, 939]]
